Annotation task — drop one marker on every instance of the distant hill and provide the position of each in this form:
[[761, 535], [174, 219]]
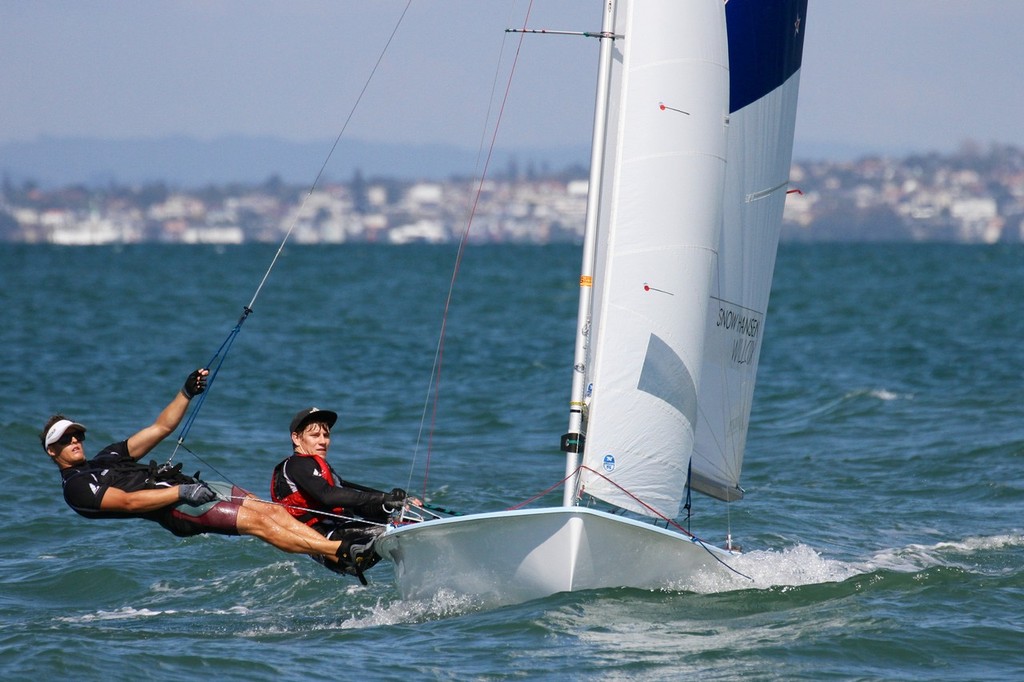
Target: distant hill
[[189, 162]]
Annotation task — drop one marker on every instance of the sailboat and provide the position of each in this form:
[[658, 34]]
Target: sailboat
[[692, 145]]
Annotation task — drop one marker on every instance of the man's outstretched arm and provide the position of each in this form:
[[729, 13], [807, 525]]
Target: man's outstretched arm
[[146, 439]]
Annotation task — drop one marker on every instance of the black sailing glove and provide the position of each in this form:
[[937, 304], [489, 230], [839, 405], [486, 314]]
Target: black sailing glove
[[394, 499], [196, 493], [195, 384]]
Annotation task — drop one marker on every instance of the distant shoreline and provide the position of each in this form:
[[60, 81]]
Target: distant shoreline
[[177, 192]]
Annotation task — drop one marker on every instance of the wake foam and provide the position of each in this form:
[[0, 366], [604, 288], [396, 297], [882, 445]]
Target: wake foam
[[883, 394], [127, 613], [953, 554], [444, 604], [801, 565], [763, 569], [887, 395]]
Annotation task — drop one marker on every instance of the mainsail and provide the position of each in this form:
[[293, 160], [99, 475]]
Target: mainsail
[[659, 225]]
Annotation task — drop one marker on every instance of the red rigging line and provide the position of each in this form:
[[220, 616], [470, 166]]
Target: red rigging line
[[436, 376]]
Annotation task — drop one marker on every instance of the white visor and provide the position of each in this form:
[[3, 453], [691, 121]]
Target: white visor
[[58, 429]]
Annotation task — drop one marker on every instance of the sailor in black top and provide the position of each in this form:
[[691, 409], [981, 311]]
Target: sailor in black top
[[206, 506], [114, 484]]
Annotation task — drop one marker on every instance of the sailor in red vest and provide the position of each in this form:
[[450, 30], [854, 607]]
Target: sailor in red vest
[[312, 492]]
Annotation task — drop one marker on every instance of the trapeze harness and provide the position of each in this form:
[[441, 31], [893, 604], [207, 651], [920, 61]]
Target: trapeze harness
[[284, 491], [114, 468]]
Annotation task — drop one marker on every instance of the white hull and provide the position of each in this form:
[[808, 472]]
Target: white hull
[[516, 556]]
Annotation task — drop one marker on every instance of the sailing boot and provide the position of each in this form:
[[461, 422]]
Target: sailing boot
[[356, 555]]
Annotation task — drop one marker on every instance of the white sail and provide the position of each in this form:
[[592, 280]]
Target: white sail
[[763, 96], [659, 225]]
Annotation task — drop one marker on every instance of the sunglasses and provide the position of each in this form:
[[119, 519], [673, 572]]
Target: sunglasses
[[65, 440]]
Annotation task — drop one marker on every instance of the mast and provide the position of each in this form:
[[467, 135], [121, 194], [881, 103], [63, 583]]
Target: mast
[[573, 441]]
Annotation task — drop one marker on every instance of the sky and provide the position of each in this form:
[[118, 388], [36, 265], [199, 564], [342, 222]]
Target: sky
[[879, 76]]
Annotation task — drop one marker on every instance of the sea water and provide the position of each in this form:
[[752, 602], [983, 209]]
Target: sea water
[[883, 524]]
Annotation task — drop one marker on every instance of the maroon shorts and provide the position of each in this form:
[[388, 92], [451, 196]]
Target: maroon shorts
[[219, 516]]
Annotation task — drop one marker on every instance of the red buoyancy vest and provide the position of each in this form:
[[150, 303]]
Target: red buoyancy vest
[[296, 502]]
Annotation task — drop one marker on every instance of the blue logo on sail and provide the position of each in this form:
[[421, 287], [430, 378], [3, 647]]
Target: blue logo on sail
[[609, 463]]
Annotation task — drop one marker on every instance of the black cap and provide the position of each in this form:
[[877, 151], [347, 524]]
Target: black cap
[[313, 414]]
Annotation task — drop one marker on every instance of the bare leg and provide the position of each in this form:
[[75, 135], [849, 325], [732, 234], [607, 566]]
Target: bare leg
[[274, 525]]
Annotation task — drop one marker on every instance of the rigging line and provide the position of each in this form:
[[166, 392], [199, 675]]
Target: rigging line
[[437, 350], [433, 372], [222, 353], [668, 521], [226, 345], [182, 445], [462, 249], [664, 518], [344, 127], [543, 492], [636, 499], [318, 512]]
